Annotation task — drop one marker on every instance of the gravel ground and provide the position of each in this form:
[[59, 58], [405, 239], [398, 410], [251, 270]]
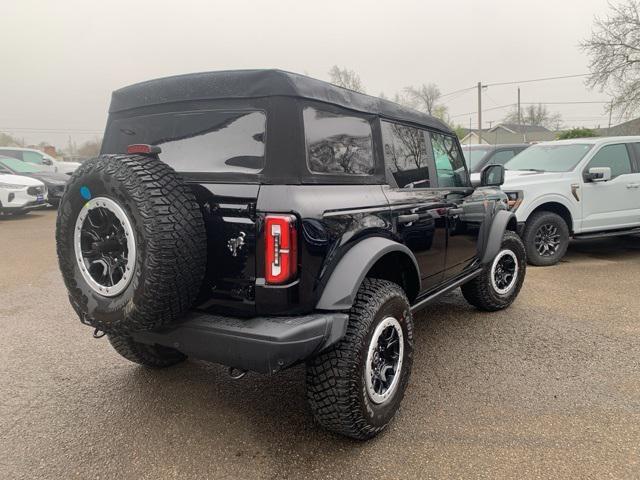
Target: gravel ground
[[547, 388]]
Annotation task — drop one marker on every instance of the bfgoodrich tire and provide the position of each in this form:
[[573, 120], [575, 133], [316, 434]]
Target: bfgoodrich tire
[[546, 238], [355, 388], [501, 280], [131, 243]]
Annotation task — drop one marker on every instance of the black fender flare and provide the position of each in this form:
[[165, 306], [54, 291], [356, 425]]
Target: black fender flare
[[494, 238], [340, 291]]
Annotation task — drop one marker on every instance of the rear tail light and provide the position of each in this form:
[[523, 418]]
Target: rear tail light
[[143, 149], [281, 248]]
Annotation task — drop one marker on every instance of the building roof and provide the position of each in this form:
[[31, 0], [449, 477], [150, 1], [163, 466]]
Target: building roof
[[515, 127], [237, 84]]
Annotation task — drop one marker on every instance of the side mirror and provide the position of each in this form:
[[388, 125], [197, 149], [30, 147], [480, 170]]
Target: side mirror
[[492, 176], [598, 174], [46, 161]]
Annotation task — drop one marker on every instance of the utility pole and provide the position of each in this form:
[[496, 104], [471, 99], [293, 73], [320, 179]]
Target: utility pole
[[524, 136], [610, 112], [479, 112]]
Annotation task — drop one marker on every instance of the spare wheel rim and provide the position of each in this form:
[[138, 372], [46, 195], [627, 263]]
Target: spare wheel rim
[[105, 246]]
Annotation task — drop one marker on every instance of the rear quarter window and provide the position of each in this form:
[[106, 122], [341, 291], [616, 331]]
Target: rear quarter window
[[338, 143], [208, 141]]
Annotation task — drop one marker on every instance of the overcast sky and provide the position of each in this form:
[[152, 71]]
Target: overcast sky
[[61, 59]]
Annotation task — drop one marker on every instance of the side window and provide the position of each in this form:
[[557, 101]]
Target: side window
[[615, 157], [12, 153], [32, 157], [449, 162], [405, 155], [338, 144], [501, 157], [636, 150]]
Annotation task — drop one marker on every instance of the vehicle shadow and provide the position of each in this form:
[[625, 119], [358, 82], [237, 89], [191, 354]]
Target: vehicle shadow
[[199, 400], [8, 217], [611, 248]]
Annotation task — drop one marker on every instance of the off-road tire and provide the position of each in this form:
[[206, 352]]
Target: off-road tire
[[533, 224], [480, 291], [336, 389], [154, 356], [170, 243]]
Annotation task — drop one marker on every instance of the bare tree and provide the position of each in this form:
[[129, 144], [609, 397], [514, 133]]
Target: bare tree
[[536, 115], [614, 53], [346, 78], [425, 96], [90, 148], [7, 140]]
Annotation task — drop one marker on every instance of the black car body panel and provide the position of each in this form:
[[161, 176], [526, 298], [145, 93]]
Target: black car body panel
[[416, 226]]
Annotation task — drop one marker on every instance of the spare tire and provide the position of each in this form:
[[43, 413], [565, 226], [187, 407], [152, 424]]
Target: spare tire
[[131, 243]]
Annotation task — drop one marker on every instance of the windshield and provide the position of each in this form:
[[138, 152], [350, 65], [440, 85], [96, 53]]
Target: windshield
[[549, 157], [19, 166], [473, 156]]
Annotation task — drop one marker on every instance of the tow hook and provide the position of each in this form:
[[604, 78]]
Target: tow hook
[[236, 373], [97, 333]]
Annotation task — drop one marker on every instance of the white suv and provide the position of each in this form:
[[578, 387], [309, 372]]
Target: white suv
[[20, 194], [44, 161], [581, 188]]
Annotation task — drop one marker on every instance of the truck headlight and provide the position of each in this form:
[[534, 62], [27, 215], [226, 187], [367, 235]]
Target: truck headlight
[[514, 200]]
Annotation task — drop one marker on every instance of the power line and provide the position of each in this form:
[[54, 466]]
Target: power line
[[531, 80], [484, 110], [49, 130], [457, 91], [563, 103]]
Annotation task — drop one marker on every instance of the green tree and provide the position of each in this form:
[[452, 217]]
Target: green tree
[[579, 132]]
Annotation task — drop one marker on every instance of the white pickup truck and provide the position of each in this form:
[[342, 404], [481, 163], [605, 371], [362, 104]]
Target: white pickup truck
[[580, 188]]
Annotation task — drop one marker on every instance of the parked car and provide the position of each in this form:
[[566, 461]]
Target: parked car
[[315, 242], [46, 162], [579, 188], [55, 182], [479, 156], [20, 195]]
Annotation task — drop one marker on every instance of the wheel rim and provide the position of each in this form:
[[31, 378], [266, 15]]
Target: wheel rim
[[504, 271], [384, 360], [547, 240], [105, 246]]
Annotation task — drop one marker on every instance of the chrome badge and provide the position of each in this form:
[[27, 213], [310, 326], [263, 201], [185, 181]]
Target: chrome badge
[[235, 244]]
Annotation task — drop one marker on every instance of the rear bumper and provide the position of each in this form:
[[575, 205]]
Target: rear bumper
[[263, 344]]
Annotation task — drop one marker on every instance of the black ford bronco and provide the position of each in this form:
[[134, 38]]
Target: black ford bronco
[[260, 219]]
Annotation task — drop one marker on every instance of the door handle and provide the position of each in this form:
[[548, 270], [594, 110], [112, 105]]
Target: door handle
[[414, 217], [633, 185]]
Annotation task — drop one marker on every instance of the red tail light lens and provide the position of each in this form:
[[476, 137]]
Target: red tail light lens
[[143, 149], [281, 248]]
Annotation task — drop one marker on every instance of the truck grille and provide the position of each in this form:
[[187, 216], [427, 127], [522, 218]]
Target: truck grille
[[35, 191]]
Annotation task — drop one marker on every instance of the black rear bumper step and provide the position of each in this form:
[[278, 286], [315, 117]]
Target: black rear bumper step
[[263, 344]]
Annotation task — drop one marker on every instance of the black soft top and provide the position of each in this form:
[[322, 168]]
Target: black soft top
[[232, 84]]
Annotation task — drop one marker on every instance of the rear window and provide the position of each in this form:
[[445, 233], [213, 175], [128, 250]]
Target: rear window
[[207, 141], [337, 143]]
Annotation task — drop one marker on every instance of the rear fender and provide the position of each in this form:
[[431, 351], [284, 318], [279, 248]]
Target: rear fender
[[342, 287]]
